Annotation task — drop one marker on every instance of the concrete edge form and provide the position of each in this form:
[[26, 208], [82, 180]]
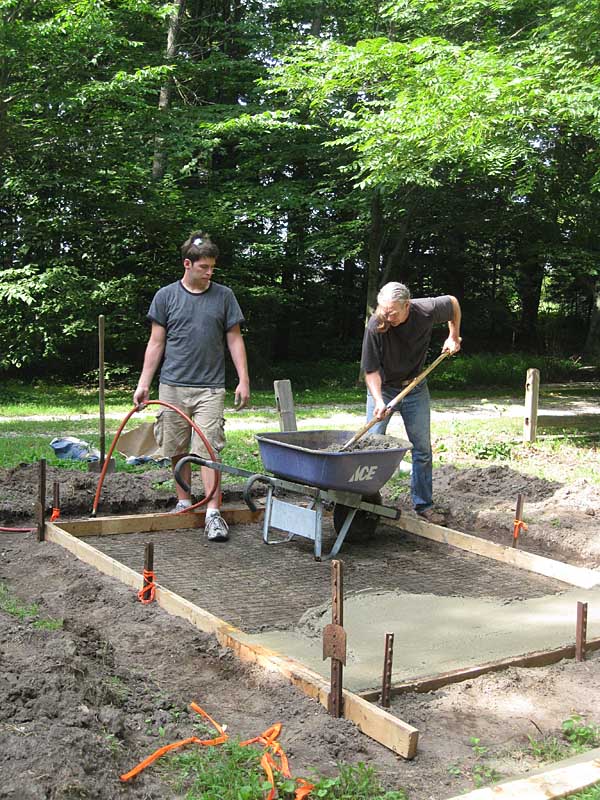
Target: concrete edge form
[[233, 513], [541, 658], [373, 721], [551, 785], [581, 577]]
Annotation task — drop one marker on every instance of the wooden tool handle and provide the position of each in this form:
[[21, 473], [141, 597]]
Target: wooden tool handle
[[390, 406]]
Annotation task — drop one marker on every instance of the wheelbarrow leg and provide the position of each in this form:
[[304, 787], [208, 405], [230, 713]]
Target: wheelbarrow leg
[[340, 537]]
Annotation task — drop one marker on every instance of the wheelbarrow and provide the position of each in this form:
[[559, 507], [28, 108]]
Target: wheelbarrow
[[309, 463]]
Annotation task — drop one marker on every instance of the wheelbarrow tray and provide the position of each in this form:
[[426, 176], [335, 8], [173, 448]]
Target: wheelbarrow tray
[[302, 456]]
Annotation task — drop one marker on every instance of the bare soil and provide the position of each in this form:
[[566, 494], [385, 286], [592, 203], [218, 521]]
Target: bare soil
[[81, 704]]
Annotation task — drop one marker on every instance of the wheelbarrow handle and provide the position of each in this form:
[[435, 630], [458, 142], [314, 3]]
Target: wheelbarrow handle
[[391, 405]]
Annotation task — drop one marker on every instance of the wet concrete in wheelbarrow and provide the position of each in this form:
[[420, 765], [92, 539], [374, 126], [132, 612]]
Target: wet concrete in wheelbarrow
[[448, 609]]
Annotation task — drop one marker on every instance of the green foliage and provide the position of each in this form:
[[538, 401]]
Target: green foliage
[[327, 147], [577, 737], [11, 604], [593, 793], [231, 772]]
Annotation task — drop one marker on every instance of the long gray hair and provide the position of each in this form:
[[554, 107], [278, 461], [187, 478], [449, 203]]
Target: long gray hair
[[392, 292]]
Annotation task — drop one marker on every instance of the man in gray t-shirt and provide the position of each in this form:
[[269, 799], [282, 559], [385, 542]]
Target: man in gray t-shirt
[[192, 321], [394, 350]]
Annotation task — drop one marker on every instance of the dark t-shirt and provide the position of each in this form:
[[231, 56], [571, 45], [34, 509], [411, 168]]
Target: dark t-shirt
[[399, 354], [196, 325]]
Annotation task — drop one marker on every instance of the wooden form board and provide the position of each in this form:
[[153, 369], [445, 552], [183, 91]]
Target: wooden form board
[[555, 783], [575, 576], [376, 723], [233, 513], [541, 658]]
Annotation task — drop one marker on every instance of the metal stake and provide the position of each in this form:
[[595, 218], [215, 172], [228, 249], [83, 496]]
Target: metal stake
[[519, 524], [335, 703], [581, 631], [386, 682]]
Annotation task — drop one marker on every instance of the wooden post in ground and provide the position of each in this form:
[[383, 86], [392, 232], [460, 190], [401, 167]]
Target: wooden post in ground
[[581, 632], [41, 503], [386, 682], [532, 396], [284, 400]]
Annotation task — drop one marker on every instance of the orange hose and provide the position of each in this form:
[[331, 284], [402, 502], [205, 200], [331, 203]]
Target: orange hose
[[128, 416]]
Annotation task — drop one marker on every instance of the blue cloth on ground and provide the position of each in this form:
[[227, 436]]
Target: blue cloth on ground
[[69, 447]]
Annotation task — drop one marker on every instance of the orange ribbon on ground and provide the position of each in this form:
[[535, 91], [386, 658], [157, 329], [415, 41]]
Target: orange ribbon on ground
[[55, 514], [149, 588], [273, 759]]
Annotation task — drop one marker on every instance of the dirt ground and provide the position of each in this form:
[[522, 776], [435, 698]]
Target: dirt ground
[[81, 704]]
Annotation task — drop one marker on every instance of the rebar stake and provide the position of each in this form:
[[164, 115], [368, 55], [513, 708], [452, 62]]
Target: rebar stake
[[519, 524], [581, 632], [148, 566], [386, 682], [334, 640]]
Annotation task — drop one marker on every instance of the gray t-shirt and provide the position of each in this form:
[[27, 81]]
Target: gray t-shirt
[[196, 325], [399, 354]]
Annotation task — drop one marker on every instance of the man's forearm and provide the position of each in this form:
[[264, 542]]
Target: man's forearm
[[373, 381], [454, 323], [152, 358], [237, 350]]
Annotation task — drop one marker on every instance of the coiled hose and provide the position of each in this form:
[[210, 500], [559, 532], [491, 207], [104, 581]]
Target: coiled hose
[[207, 444]]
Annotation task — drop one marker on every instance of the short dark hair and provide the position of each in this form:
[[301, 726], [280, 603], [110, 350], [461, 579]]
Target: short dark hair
[[199, 245]]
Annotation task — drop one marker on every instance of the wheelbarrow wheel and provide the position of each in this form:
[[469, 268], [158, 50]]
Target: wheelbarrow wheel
[[364, 523]]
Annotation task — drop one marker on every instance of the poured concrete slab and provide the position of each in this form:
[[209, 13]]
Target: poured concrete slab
[[448, 609], [434, 634]]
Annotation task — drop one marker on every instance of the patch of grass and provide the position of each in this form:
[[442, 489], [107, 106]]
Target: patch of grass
[[231, 772], [480, 772], [11, 604], [48, 624], [592, 793], [577, 737]]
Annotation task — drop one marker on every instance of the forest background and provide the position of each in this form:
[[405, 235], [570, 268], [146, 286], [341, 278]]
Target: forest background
[[327, 146]]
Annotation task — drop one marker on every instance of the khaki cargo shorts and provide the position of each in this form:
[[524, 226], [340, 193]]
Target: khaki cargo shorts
[[205, 406]]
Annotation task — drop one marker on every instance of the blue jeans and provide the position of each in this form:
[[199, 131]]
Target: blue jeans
[[414, 409]]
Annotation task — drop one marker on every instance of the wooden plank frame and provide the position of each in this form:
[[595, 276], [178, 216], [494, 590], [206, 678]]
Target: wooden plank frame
[[581, 577], [558, 782], [375, 722], [372, 720]]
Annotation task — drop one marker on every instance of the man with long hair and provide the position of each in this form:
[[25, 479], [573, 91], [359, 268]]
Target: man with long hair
[[394, 350]]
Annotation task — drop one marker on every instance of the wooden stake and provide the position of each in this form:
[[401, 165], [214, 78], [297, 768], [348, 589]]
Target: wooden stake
[[101, 388], [335, 703], [387, 670], [532, 395], [284, 401], [41, 503], [56, 495], [580, 643]]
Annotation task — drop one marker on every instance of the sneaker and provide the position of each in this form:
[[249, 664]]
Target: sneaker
[[432, 515], [182, 505], [216, 529]]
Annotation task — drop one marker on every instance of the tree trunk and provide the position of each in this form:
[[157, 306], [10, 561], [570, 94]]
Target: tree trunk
[[591, 349], [159, 163], [376, 235], [529, 286], [317, 20]]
